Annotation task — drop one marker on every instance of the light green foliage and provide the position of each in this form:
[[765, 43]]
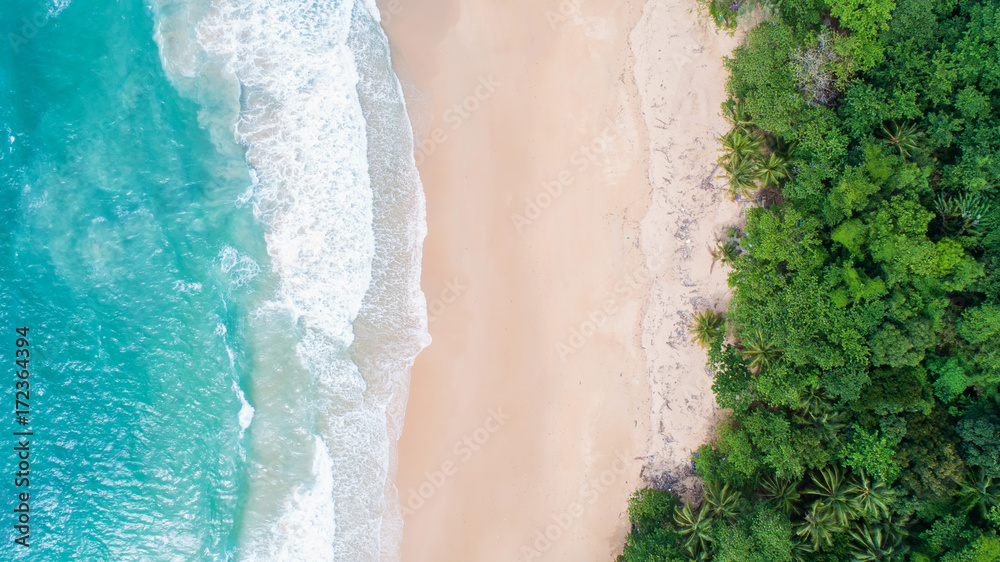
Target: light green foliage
[[980, 324], [762, 77], [986, 548], [761, 535], [655, 546], [649, 508], [873, 454], [865, 18]]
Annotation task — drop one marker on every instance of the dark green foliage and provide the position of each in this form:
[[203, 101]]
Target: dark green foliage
[[862, 376], [980, 433]]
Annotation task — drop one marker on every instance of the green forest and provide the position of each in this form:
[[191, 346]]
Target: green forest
[[860, 354]]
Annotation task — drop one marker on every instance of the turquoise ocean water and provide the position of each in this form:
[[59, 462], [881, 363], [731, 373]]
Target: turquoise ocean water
[[212, 228]]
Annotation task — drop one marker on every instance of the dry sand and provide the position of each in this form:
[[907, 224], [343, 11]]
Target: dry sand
[[546, 131]]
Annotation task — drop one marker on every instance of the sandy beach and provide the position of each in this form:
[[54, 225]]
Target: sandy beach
[[567, 153]]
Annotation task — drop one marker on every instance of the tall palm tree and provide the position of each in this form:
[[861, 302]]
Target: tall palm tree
[[706, 327], [783, 493], [742, 176], [961, 214], [802, 550], [739, 144], [772, 170], [736, 113], [725, 251], [695, 527], [834, 496], [903, 137], [725, 502], [872, 496], [818, 526], [815, 403], [760, 350], [876, 545], [829, 425], [979, 493]]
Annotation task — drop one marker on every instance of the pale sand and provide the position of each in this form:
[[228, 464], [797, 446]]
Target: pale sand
[[539, 323]]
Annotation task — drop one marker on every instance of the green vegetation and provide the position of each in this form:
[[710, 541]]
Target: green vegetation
[[863, 365]]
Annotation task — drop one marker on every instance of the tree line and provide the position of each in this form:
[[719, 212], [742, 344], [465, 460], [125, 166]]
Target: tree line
[[860, 353]]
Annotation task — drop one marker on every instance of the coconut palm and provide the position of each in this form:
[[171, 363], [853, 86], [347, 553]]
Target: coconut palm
[[742, 176], [783, 493], [760, 350], [815, 403], [904, 138], [963, 214], [725, 502], [835, 496], [725, 251], [872, 496], [818, 526], [802, 551], [739, 144], [736, 113], [694, 526], [706, 327], [979, 493], [772, 170], [828, 425], [876, 544]]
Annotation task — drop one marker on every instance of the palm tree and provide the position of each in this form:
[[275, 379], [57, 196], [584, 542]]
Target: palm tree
[[818, 526], [772, 170], [828, 425], [816, 403], [961, 214], [784, 493], [978, 492], [725, 502], [706, 327], [874, 545], [872, 497], [759, 350], [835, 497], [736, 113], [738, 144], [695, 527], [802, 551], [742, 175], [903, 138], [726, 251]]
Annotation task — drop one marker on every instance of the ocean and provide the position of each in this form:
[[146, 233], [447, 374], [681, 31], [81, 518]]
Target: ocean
[[212, 244]]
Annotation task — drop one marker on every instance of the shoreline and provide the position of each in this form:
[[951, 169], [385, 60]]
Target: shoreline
[[540, 273], [681, 79]]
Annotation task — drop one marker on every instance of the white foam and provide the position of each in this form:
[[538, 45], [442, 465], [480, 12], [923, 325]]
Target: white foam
[[245, 416], [302, 123], [240, 267], [57, 7], [185, 287], [308, 516]]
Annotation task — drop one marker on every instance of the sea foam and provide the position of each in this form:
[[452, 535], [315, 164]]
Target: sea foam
[[322, 120]]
